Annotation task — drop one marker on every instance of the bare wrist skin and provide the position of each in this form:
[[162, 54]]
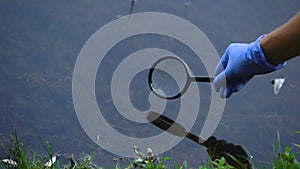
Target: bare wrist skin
[[283, 43]]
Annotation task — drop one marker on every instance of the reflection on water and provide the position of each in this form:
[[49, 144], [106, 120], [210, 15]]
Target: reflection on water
[[216, 149], [40, 43]]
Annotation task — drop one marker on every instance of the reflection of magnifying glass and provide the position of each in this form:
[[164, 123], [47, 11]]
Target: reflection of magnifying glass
[[169, 77]]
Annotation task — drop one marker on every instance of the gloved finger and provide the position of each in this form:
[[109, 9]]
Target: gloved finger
[[219, 68], [228, 92], [222, 63], [239, 85], [220, 81], [223, 92], [234, 86]]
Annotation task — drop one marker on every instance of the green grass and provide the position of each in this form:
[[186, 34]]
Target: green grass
[[284, 157]]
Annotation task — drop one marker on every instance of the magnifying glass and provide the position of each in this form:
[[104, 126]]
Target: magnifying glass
[[170, 77]]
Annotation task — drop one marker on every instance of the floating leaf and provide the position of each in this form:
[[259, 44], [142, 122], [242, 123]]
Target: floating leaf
[[277, 84]]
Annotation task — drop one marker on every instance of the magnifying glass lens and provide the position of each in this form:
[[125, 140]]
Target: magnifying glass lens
[[163, 84], [168, 78]]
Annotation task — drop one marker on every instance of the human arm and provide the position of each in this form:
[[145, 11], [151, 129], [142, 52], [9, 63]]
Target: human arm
[[268, 53], [283, 43]]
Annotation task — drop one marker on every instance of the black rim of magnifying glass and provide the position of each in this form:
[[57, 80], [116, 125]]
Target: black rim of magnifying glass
[[188, 80]]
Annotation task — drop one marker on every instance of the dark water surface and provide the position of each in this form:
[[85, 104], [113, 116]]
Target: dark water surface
[[40, 41]]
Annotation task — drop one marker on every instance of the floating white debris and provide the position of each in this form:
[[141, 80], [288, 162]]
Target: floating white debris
[[50, 162], [277, 84], [10, 162], [98, 137]]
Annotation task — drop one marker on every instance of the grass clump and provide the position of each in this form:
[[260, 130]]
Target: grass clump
[[18, 156], [286, 159]]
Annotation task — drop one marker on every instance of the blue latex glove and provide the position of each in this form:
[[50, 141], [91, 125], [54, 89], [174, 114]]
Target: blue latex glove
[[239, 64]]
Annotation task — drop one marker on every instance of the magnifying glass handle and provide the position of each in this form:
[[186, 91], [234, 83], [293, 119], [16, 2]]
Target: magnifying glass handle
[[203, 79]]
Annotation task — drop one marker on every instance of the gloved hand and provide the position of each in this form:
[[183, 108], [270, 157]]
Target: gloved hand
[[238, 65]]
